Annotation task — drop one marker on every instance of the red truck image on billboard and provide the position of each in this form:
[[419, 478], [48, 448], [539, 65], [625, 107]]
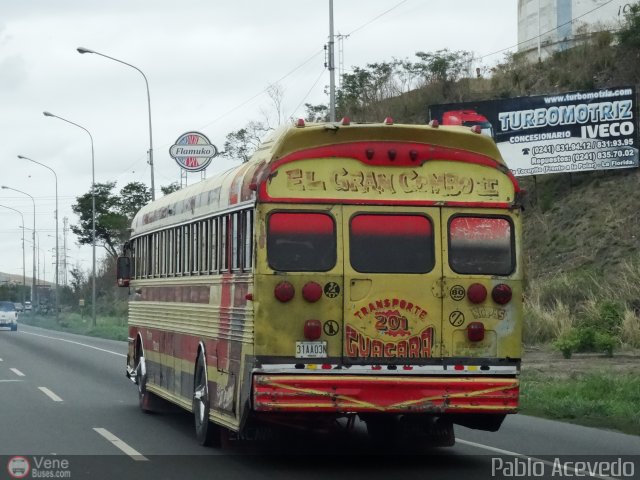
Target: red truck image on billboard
[[468, 118]]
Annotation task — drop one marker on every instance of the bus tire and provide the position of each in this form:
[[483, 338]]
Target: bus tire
[[207, 433], [144, 397]]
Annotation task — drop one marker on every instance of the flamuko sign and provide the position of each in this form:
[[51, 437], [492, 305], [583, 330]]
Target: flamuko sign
[[193, 151]]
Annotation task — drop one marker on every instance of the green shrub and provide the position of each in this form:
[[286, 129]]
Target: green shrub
[[585, 339], [605, 343], [567, 344]]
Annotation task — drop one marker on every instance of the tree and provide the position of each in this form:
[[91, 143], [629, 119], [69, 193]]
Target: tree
[[113, 214], [242, 143], [78, 279], [172, 187], [316, 113], [443, 65]]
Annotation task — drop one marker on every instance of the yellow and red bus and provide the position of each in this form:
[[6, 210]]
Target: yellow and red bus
[[370, 270]]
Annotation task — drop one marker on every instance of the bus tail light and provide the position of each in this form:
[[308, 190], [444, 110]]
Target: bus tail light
[[475, 331], [501, 294], [312, 292], [477, 293], [312, 329], [284, 291]]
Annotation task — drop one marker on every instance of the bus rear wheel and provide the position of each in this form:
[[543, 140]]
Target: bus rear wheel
[[141, 381], [207, 433]]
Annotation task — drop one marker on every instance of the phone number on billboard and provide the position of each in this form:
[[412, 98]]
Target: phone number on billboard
[[615, 154], [562, 147], [627, 142]]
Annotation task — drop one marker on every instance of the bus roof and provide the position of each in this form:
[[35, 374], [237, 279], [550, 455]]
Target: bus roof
[[239, 185]]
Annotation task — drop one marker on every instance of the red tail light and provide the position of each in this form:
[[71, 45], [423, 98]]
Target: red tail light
[[312, 292], [284, 291], [477, 293], [312, 329], [475, 331], [501, 294]]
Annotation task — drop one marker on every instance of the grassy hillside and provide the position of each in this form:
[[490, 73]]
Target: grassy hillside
[[581, 231]]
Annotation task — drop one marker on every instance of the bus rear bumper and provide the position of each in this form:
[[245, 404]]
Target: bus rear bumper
[[392, 394]]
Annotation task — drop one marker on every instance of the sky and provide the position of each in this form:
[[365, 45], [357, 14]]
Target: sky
[[209, 64]]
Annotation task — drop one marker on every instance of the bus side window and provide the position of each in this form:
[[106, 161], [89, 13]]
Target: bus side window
[[236, 239], [213, 246], [247, 261], [203, 248], [224, 243]]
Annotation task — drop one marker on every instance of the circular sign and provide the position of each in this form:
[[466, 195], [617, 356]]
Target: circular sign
[[331, 328], [457, 292], [456, 318], [332, 289], [193, 151]]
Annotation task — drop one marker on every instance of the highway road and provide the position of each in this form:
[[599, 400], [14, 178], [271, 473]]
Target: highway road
[[68, 410]]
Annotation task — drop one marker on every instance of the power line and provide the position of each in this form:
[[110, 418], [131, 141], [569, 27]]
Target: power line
[[376, 18], [310, 90]]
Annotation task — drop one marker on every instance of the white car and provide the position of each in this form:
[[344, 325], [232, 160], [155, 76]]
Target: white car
[[8, 315], [27, 306]]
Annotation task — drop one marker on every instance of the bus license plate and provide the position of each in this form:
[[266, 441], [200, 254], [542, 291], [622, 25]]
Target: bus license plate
[[311, 349]]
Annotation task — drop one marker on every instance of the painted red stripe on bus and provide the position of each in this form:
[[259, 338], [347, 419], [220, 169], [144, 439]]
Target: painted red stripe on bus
[[264, 197], [358, 151], [180, 294]]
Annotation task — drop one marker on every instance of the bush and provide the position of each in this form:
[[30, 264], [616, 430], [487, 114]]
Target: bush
[[567, 345], [585, 339]]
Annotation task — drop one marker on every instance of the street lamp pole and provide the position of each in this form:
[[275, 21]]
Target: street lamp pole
[[56, 218], [33, 280], [24, 279], [146, 82], [93, 214]]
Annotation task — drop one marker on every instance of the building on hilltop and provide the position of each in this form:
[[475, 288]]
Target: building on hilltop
[[549, 26]]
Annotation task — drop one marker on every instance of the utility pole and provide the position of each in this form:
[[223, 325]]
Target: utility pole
[[332, 68], [65, 222]]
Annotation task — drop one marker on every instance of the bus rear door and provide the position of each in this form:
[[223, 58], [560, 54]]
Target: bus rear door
[[393, 272], [481, 285]]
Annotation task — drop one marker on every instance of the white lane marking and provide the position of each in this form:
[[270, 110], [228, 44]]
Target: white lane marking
[[16, 380], [50, 394], [17, 372], [75, 343], [132, 452], [0, 359], [565, 468]]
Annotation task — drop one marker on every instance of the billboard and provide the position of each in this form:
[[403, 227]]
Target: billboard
[[567, 132]]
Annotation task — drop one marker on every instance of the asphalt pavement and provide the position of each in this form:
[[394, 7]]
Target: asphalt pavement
[[67, 409]]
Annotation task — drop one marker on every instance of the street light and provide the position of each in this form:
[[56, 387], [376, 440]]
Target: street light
[[56, 217], [33, 280], [93, 214], [87, 50], [24, 280]]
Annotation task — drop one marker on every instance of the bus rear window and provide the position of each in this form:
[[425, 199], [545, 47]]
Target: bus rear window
[[301, 242], [481, 245], [380, 243]]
